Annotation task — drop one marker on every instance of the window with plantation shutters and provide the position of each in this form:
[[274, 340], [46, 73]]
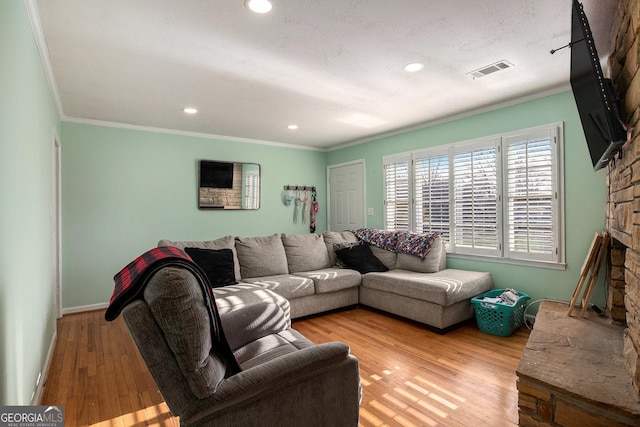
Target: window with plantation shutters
[[252, 190], [498, 197], [431, 190], [397, 200], [475, 189], [531, 196]]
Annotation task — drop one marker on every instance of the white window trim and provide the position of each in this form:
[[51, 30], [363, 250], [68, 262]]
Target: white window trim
[[502, 255]]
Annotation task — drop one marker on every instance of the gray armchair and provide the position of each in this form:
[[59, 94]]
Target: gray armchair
[[285, 380]]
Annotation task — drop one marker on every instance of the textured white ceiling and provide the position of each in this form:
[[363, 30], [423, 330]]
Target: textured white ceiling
[[333, 67]]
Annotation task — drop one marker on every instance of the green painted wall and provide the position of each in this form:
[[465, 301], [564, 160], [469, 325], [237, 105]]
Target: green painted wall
[[27, 122], [585, 190], [123, 190]]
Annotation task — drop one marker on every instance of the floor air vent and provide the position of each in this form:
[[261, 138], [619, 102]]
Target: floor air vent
[[489, 69]]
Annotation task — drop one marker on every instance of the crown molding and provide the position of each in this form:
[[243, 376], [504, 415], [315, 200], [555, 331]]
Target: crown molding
[[43, 50], [223, 138]]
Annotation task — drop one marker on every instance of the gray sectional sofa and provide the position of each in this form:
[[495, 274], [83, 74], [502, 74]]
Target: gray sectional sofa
[[299, 273]]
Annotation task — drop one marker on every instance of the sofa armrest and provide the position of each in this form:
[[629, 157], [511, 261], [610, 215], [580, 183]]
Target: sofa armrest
[[305, 377], [253, 322]]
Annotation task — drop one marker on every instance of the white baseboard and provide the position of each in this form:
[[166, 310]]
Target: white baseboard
[[37, 395], [81, 308], [45, 370]]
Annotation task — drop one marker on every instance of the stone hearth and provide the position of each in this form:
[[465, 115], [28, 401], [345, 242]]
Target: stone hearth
[[572, 372]]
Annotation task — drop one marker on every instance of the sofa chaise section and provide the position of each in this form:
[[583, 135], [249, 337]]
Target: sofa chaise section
[[439, 299], [420, 289]]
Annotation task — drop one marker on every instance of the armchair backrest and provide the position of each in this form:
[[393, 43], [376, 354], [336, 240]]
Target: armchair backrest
[[158, 357], [172, 330]]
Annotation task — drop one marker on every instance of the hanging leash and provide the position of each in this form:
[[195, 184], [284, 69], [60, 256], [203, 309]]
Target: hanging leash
[[314, 209]]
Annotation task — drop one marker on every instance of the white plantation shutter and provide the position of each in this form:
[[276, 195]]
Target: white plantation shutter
[[397, 194], [475, 187], [431, 184], [531, 196], [252, 191], [497, 197]]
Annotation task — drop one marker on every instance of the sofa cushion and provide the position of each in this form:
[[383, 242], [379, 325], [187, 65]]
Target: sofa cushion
[[333, 279], [333, 237], [444, 288], [253, 322], [360, 258], [261, 256], [226, 242], [217, 264], [305, 252], [430, 264], [238, 296], [287, 285], [271, 347], [388, 258]]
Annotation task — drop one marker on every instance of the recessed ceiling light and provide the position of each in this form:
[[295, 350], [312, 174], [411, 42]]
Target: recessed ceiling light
[[413, 67], [259, 6], [292, 127], [190, 110]]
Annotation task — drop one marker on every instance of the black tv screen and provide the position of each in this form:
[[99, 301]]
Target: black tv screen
[[216, 174], [594, 95]]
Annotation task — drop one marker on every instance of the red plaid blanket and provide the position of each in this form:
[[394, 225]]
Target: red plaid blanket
[[125, 291], [132, 279]]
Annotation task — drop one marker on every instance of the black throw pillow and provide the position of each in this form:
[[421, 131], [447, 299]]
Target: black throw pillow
[[217, 265], [360, 258]]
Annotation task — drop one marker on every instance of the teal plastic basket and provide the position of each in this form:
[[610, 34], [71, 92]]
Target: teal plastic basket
[[497, 318]]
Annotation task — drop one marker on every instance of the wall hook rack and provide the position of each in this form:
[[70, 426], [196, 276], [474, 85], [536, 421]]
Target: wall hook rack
[[299, 188]]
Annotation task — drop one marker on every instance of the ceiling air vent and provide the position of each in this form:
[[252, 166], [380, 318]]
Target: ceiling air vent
[[489, 69]]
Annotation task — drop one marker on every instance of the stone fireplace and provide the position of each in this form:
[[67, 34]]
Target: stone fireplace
[[623, 180], [578, 372]]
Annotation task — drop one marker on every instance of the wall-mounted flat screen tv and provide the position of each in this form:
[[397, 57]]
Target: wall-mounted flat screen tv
[[594, 95], [216, 174]]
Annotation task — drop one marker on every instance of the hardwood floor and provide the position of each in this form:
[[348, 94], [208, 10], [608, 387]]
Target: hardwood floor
[[99, 378], [410, 376], [414, 377]]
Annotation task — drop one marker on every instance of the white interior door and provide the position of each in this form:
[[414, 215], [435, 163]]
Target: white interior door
[[346, 196]]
